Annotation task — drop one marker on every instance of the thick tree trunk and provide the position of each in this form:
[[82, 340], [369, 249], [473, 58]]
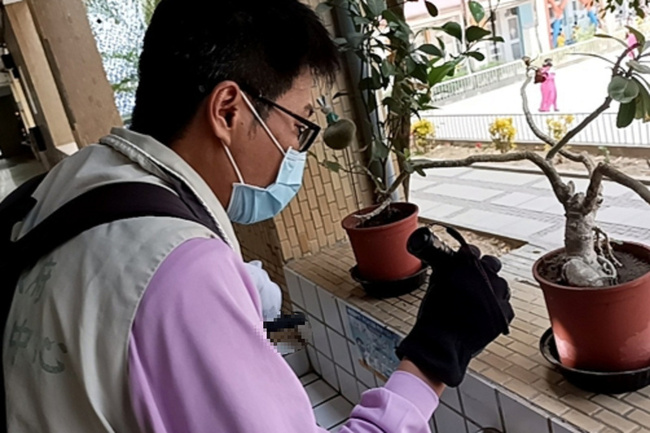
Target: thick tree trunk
[[583, 267]]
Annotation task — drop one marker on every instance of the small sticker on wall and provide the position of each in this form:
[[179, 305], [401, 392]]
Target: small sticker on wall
[[375, 343]]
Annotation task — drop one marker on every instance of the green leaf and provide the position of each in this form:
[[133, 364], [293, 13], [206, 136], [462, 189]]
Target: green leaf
[[441, 43], [323, 8], [420, 73], [477, 11], [640, 38], [332, 166], [622, 89], [437, 74], [475, 33], [387, 68], [453, 29], [494, 39], [377, 6], [604, 36], [626, 113], [638, 67], [431, 8], [392, 104], [476, 55], [643, 101], [431, 49], [379, 150]]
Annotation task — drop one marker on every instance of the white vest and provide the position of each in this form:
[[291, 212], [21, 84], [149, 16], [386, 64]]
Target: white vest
[[65, 352]]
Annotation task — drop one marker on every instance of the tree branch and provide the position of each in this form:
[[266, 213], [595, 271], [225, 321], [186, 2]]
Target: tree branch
[[560, 189], [604, 106], [606, 170], [582, 125], [529, 117], [580, 157]]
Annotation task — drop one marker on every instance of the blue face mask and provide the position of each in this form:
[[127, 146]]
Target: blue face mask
[[250, 204]]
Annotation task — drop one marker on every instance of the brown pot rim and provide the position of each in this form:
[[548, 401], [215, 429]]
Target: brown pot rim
[[413, 206], [618, 287]]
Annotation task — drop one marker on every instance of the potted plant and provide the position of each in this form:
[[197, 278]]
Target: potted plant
[[597, 291], [395, 83]]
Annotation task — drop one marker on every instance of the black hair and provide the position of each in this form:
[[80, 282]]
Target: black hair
[[548, 62], [193, 45]]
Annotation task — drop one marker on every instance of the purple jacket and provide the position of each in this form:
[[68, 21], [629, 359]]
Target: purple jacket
[[199, 360]]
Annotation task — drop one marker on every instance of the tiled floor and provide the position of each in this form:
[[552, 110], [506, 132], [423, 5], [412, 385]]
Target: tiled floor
[[330, 407]]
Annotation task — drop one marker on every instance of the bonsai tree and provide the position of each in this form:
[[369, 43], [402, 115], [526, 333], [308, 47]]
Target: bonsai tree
[[588, 262]]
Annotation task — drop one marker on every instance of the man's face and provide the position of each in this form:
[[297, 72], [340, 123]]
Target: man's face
[[257, 157]]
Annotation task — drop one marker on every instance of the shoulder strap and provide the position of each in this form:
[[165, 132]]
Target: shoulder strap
[[98, 206]]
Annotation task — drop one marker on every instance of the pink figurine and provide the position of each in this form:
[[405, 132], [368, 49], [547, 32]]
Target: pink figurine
[[549, 91]]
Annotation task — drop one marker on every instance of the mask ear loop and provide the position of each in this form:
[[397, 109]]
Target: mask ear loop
[[232, 161], [266, 128]]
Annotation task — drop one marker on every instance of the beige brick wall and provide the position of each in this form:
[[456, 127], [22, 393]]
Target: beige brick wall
[[313, 219]]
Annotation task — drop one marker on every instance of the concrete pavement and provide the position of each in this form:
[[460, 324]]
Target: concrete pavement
[[521, 205]]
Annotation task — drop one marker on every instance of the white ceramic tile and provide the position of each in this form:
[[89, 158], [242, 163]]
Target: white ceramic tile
[[519, 417], [328, 371], [340, 350], [299, 362], [320, 337], [559, 426], [450, 398], [449, 421], [361, 373], [344, 318], [319, 392], [332, 412], [336, 428], [473, 428], [330, 310], [362, 388], [480, 402], [311, 299], [348, 385], [308, 378], [313, 359], [294, 287]]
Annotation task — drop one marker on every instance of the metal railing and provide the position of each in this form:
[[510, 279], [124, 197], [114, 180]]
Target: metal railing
[[490, 78], [601, 132]]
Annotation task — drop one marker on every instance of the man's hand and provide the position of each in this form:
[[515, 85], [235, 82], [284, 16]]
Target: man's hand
[[465, 308]]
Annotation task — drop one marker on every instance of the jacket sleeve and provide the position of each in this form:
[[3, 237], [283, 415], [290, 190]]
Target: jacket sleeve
[[199, 360]]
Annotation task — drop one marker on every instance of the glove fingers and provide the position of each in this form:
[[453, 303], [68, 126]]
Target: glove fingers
[[491, 263]]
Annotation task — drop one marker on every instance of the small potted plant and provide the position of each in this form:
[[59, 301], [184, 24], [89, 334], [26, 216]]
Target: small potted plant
[[397, 78]]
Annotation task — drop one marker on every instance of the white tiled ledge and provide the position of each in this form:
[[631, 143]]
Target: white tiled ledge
[[477, 403]]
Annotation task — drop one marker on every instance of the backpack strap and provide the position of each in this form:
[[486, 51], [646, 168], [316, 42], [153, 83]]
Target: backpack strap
[[101, 205]]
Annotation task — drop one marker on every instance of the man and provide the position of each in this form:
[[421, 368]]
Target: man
[[153, 324]]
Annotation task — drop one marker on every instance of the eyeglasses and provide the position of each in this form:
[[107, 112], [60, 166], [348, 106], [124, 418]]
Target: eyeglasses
[[308, 131]]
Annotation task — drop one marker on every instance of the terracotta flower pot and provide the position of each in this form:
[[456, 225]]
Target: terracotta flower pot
[[605, 330], [381, 251]]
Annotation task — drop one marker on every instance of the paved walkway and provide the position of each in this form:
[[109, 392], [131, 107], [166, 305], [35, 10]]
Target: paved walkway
[[521, 206]]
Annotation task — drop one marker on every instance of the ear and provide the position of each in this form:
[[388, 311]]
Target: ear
[[223, 108]]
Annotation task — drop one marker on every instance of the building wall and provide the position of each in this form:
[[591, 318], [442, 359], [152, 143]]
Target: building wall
[[313, 219]]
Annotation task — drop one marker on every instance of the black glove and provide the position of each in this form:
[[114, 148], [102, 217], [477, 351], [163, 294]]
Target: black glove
[[466, 307]]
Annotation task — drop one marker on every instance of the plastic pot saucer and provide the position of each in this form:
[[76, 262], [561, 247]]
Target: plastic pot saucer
[[594, 381], [389, 289]]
